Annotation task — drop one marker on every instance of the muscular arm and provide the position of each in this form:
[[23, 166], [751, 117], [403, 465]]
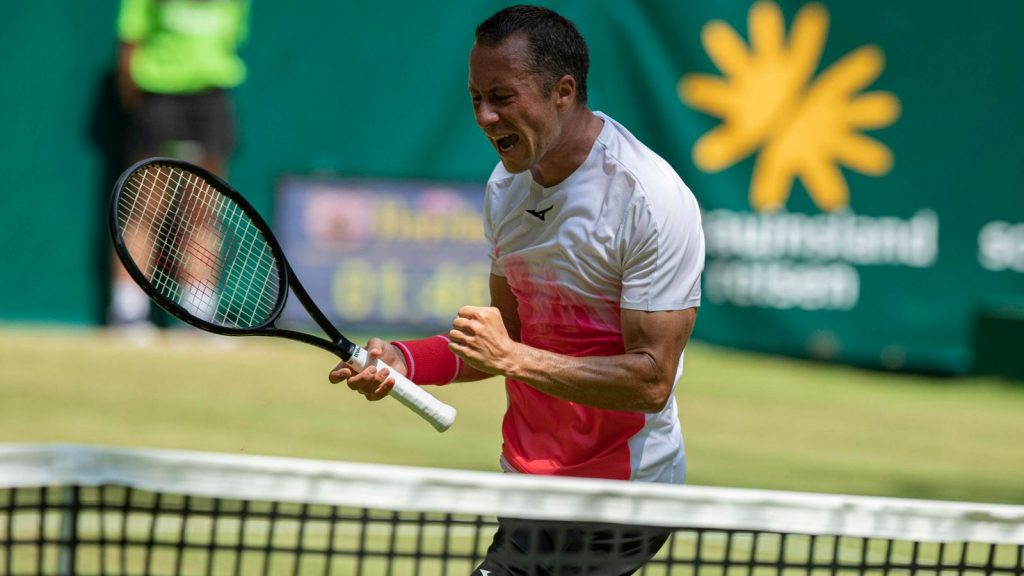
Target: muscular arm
[[639, 380]]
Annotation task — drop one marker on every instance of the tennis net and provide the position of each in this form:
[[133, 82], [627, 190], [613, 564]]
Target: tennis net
[[67, 509]]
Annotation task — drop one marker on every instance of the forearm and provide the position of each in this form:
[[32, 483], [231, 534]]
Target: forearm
[[638, 380], [470, 374], [631, 382], [430, 361]]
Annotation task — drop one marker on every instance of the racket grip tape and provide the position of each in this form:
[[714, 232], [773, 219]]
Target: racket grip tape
[[440, 415]]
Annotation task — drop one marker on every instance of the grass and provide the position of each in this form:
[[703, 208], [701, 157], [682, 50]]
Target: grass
[[750, 420]]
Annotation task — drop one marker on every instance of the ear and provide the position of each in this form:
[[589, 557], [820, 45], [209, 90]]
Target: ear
[[564, 92]]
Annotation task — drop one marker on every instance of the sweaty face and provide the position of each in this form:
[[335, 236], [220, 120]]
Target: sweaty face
[[519, 120]]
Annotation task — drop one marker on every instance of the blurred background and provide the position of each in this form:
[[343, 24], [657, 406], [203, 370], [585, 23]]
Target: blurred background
[[856, 163]]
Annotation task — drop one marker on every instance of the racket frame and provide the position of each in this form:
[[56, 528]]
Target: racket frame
[[440, 415], [288, 281]]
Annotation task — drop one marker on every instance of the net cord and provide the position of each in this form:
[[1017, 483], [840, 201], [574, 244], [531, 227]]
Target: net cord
[[546, 498]]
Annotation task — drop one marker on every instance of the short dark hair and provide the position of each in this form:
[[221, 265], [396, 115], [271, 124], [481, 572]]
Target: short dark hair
[[556, 47]]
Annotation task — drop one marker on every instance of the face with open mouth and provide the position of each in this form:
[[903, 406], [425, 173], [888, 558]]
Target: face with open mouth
[[505, 144], [519, 120]]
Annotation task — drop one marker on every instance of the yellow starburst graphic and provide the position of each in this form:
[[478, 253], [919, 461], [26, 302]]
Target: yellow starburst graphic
[[766, 99]]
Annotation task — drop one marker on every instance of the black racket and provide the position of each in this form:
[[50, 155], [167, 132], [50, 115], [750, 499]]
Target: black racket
[[204, 254]]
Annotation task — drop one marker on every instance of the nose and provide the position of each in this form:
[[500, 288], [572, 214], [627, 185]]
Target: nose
[[485, 114]]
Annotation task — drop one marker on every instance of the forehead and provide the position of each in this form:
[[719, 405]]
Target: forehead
[[502, 65]]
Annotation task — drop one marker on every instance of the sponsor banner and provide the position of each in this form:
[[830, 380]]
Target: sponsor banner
[[859, 199]]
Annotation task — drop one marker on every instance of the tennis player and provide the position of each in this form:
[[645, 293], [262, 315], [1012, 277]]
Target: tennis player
[[597, 253]]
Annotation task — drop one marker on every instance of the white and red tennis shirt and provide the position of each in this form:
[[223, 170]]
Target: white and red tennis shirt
[[622, 232]]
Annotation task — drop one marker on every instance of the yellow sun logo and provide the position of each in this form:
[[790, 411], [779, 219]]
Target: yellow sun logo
[[766, 100]]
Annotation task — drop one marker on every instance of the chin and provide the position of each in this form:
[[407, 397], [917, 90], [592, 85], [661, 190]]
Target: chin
[[514, 167]]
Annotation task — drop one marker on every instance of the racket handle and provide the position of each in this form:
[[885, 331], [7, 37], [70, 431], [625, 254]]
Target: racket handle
[[440, 415]]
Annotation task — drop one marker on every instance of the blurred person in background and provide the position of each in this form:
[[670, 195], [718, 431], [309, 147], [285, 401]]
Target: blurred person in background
[[177, 62], [597, 252]]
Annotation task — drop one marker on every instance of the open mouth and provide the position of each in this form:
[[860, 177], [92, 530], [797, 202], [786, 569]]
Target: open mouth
[[506, 143]]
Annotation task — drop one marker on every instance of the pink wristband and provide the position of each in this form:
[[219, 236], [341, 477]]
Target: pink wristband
[[429, 360]]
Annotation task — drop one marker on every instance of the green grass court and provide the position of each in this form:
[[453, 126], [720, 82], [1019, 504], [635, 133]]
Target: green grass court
[[750, 420]]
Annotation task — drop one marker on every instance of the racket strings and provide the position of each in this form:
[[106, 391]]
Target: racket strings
[[200, 292], [198, 248], [250, 308], [165, 263], [251, 265]]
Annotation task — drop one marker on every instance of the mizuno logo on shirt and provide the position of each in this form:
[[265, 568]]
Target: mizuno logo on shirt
[[540, 213]]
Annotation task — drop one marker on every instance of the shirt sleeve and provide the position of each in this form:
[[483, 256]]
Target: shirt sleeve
[[662, 246], [134, 20]]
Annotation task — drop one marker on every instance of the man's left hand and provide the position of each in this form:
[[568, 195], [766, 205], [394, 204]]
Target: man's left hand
[[479, 337]]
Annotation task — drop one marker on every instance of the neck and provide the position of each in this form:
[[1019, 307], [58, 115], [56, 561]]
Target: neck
[[578, 132]]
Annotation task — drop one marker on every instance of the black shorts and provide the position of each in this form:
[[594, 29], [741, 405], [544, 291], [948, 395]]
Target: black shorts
[[540, 548], [193, 127]]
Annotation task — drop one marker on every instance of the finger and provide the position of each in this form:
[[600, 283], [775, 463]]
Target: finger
[[380, 386], [363, 380], [382, 390], [490, 312], [469, 312], [375, 348], [458, 349], [463, 325], [457, 336], [340, 374]]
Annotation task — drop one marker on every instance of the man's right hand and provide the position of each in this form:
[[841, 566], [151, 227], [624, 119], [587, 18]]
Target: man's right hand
[[372, 383]]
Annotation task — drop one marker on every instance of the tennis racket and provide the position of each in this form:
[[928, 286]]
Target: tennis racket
[[203, 253]]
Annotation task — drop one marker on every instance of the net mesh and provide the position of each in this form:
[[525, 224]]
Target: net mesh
[[78, 510], [197, 248]]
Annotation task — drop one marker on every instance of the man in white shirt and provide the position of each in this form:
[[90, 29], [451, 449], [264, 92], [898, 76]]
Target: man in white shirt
[[597, 252]]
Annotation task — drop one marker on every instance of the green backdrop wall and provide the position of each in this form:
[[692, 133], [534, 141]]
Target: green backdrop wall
[[862, 193]]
